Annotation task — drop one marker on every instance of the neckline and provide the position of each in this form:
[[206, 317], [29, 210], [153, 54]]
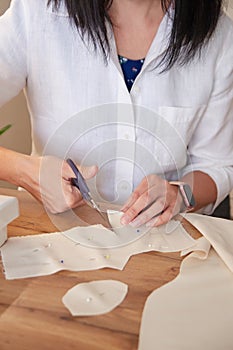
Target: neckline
[[131, 60]]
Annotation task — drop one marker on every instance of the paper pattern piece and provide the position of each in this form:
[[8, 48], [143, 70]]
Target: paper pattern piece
[[45, 254], [95, 298], [194, 311]]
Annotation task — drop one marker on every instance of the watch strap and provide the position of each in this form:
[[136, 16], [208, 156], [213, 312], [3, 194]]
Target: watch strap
[[186, 194]]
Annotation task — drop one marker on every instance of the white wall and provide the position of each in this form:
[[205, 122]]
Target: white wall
[[15, 113], [4, 5], [230, 8]]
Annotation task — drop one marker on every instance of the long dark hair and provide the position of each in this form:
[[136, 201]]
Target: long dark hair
[[193, 24]]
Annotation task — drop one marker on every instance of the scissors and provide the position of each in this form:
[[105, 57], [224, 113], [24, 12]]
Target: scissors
[[81, 184]]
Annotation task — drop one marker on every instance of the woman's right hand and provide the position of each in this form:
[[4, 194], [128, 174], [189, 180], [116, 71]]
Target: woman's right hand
[[48, 180]]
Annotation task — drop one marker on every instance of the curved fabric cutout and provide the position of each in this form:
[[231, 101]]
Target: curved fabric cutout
[[194, 311], [95, 298]]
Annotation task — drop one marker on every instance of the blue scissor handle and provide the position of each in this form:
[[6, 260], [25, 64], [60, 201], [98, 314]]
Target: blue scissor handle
[[79, 181]]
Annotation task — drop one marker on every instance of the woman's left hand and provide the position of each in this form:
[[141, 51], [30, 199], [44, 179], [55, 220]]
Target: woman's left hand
[[154, 202]]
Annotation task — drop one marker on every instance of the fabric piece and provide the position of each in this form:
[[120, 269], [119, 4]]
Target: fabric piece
[[219, 232], [45, 254], [95, 298], [97, 236], [200, 250], [3, 235], [194, 311]]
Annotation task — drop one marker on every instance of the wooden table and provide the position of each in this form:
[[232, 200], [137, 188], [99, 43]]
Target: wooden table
[[33, 317]]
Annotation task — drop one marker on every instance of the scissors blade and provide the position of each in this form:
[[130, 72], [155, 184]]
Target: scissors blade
[[81, 184], [97, 208]]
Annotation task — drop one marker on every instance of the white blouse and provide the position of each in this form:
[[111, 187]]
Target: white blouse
[[169, 124]]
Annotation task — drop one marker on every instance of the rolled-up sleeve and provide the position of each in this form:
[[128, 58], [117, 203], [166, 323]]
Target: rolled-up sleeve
[[13, 47], [211, 148]]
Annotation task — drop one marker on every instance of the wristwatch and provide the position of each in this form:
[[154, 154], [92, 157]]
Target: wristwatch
[[186, 194]]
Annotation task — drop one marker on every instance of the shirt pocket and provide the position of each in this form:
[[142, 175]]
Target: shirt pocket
[[177, 127]]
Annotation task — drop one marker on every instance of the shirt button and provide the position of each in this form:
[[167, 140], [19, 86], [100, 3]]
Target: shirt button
[[124, 185], [126, 136], [136, 89]]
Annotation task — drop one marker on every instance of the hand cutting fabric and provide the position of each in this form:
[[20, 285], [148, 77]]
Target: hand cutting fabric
[[162, 199], [48, 180]]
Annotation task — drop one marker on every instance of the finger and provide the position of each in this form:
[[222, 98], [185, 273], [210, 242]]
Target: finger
[[144, 185], [72, 195], [154, 210], [74, 203], [132, 199], [162, 219], [141, 203], [89, 171]]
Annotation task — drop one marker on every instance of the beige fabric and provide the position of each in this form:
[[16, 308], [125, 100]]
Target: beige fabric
[[95, 298], [46, 254], [200, 250], [97, 236], [195, 311], [3, 235], [219, 232]]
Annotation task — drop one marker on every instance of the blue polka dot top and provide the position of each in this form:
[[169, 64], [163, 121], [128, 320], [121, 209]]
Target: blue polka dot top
[[131, 69]]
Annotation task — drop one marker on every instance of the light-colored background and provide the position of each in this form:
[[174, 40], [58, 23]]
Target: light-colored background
[[15, 113]]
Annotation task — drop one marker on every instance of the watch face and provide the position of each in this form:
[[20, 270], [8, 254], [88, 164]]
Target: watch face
[[189, 195]]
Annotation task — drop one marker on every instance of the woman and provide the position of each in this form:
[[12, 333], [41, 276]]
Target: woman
[[72, 55]]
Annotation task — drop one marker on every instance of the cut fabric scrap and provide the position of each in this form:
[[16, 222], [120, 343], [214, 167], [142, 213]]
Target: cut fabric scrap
[[95, 298], [45, 254], [219, 232], [194, 311]]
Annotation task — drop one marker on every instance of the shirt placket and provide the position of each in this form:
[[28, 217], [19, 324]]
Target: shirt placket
[[126, 118]]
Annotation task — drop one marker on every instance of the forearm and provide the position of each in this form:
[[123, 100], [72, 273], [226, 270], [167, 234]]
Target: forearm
[[203, 187], [12, 165]]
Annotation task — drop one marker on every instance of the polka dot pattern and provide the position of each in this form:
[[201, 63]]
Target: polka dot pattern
[[131, 69]]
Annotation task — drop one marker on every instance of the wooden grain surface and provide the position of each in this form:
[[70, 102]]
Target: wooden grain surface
[[32, 316]]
